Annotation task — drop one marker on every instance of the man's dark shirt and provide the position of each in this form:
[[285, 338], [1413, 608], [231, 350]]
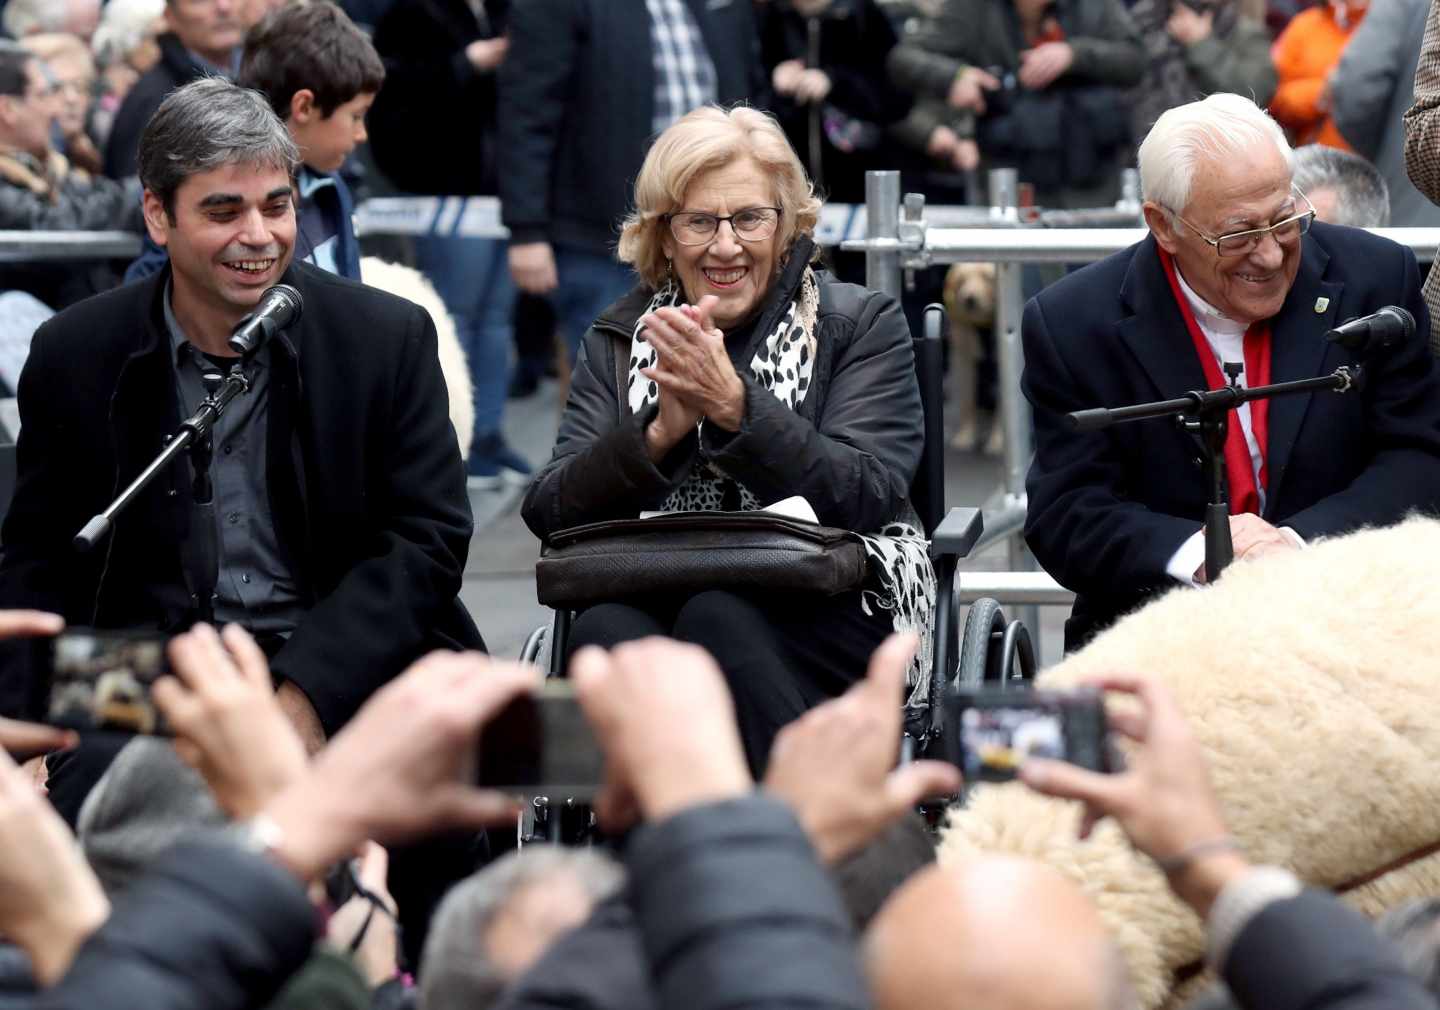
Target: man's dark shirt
[[256, 585]]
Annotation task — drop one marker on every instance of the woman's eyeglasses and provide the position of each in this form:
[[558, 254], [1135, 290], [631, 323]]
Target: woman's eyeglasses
[[753, 224]]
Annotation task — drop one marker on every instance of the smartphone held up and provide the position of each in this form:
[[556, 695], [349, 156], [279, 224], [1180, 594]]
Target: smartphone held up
[[98, 681]]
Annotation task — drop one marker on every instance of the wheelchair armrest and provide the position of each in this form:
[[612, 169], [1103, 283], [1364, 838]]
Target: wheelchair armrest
[[957, 533]]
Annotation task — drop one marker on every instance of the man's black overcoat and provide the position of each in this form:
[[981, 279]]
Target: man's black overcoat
[[365, 482]]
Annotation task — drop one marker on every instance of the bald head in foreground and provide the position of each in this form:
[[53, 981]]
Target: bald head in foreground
[[993, 934]]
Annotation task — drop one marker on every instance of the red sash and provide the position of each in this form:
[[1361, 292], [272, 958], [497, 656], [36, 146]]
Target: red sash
[[1244, 497]]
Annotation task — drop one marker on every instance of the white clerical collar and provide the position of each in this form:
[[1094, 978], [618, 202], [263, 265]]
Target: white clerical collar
[[1211, 319]]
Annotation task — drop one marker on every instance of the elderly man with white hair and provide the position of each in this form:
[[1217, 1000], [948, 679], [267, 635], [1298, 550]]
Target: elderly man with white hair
[[1234, 270]]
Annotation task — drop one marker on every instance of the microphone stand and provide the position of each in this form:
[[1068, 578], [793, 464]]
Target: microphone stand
[[195, 435], [1205, 413]]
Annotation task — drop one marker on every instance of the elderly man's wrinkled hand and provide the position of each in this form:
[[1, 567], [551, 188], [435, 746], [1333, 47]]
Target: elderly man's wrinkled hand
[[404, 766], [835, 765], [663, 716], [50, 901], [228, 724], [1253, 537]]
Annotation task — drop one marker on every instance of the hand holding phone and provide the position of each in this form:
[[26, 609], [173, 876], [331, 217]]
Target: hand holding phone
[[1000, 730], [98, 681], [1163, 800]]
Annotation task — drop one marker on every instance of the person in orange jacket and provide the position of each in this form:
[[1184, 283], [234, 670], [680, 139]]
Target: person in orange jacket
[[1305, 54]]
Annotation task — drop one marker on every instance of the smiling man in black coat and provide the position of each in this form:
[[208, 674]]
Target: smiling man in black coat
[[343, 523], [1231, 272]]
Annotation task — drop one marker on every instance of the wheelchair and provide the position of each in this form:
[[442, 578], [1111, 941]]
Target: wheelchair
[[991, 650]]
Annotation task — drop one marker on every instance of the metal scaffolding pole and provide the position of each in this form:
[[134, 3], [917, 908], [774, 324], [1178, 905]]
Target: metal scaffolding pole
[[882, 228]]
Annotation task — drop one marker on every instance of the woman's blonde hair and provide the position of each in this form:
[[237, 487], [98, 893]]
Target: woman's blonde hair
[[700, 141]]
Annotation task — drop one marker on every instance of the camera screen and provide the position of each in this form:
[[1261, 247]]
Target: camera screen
[[997, 741], [102, 681]]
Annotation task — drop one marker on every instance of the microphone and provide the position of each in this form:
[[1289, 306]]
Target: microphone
[[1376, 332], [279, 307]]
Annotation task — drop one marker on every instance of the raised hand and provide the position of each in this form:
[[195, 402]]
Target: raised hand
[[229, 725], [664, 718], [835, 765], [404, 766]]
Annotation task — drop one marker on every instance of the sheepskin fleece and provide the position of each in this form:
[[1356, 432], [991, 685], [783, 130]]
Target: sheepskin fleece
[[1312, 680], [411, 284]]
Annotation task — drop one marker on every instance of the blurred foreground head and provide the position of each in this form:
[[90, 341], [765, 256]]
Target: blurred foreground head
[[993, 934], [493, 926]]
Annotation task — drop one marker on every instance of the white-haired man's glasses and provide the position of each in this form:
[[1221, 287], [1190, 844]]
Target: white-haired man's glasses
[[1241, 243]]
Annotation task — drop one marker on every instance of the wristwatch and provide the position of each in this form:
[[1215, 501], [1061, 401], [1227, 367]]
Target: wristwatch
[[260, 835]]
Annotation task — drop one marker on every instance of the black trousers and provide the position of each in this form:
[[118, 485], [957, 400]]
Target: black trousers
[[782, 653]]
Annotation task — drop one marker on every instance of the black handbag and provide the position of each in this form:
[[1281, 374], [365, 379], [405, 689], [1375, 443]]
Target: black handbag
[[694, 551]]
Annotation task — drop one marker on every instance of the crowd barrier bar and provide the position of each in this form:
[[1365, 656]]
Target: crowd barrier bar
[[1014, 588], [34, 246]]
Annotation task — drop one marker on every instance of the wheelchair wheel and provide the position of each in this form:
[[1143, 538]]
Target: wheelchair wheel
[[984, 631]]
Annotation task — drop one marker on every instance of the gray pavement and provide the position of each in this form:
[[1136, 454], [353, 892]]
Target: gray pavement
[[499, 586]]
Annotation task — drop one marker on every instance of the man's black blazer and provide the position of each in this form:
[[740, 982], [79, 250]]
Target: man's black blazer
[[1107, 509], [365, 480]]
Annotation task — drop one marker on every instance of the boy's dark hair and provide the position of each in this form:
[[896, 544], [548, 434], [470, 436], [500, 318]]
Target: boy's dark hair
[[315, 47]]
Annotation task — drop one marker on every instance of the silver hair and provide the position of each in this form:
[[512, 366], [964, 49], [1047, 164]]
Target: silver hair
[[1362, 200], [208, 124], [1207, 130], [456, 969], [124, 24], [26, 17]]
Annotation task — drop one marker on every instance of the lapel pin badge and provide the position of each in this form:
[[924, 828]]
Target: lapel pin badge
[[1321, 304]]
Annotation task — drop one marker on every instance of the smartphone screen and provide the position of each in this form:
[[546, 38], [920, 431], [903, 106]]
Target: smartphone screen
[[1000, 730], [99, 681], [541, 745]]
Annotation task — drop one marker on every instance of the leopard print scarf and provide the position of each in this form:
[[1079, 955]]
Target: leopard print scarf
[[901, 579]]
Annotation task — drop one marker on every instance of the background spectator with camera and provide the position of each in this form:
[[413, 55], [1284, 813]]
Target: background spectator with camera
[[1024, 84]]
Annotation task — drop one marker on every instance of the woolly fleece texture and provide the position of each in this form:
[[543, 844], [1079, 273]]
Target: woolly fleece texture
[[1312, 680], [411, 284]]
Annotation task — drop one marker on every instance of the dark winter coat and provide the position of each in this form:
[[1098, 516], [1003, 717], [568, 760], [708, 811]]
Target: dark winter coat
[[175, 68], [432, 127], [577, 97], [850, 449], [366, 486]]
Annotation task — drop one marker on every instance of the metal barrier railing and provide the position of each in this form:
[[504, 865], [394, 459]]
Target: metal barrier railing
[[34, 246]]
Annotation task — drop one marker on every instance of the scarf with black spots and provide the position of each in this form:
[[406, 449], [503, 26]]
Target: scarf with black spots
[[901, 578]]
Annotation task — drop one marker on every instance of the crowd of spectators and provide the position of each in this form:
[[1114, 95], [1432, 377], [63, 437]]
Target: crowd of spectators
[[549, 104]]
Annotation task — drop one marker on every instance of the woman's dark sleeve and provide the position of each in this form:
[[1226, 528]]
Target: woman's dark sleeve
[[855, 463]]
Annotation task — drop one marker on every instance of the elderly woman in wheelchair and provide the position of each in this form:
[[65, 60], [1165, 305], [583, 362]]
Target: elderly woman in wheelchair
[[735, 375]]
